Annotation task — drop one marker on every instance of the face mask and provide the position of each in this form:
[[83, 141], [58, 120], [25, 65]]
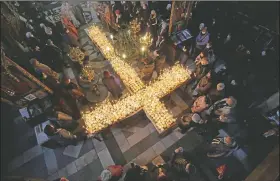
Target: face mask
[[203, 33]]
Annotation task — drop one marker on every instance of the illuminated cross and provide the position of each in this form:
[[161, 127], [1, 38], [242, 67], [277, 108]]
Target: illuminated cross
[[143, 97]]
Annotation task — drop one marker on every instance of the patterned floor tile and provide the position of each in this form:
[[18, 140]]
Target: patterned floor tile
[[159, 147], [127, 133], [145, 157], [31, 153], [62, 160], [73, 151], [88, 173], [139, 135], [105, 158], [131, 154], [87, 146], [50, 161], [80, 163], [35, 168]]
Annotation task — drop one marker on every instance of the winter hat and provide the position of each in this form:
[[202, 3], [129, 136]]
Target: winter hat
[[220, 86], [196, 118], [201, 26], [105, 175]]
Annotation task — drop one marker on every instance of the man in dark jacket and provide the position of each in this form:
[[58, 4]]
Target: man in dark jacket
[[52, 56]]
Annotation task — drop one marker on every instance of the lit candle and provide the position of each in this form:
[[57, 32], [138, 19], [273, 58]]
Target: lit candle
[[124, 56]]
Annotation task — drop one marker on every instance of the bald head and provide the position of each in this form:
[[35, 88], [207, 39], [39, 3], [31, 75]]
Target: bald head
[[231, 101]]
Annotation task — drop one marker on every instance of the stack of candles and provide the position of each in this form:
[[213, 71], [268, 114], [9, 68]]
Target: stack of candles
[[143, 97]]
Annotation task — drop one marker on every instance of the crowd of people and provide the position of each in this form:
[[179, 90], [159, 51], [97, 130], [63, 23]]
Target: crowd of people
[[213, 103]]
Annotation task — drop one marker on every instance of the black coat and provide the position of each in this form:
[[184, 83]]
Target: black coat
[[52, 56]]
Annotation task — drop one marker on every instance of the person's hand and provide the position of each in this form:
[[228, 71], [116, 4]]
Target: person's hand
[[222, 118], [179, 150], [188, 167]]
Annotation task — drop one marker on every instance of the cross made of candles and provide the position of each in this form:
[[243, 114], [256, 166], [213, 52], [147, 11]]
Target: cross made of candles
[[142, 97]]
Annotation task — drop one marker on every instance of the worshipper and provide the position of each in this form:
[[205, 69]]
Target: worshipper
[[152, 24], [86, 57], [111, 173], [69, 26], [36, 53], [127, 10], [68, 72], [136, 173], [210, 53], [201, 69], [180, 164], [167, 11], [183, 58], [223, 107], [112, 84], [60, 135], [200, 104], [162, 31], [221, 146], [73, 89], [136, 8], [44, 69], [200, 57], [30, 27], [144, 14], [218, 93], [159, 63], [70, 39], [162, 175], [45, 33], [31, 40], [201, 40], [190, 120], [203, 85], [52, 56], [119, 18]]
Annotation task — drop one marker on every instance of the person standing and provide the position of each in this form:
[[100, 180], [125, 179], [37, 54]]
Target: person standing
[[201, 40], [53, 57], [152, 24], [32, 41], [144, 14], [112, 85], [70, 39], [218, 93]]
